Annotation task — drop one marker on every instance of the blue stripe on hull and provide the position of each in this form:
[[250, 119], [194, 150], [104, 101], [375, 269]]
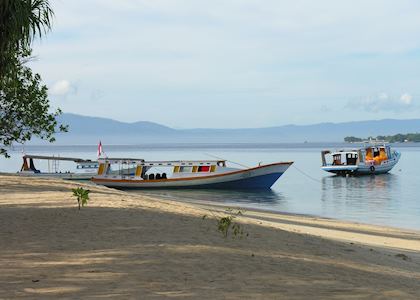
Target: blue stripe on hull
[[257, 182], [358, 172], [251, 183]]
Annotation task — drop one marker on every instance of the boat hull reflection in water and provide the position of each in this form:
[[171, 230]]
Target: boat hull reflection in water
[[262, 198]]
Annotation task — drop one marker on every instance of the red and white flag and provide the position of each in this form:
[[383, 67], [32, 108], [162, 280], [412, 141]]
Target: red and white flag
[[100, 151]]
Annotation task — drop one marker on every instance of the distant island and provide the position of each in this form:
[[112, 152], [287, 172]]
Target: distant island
[[88, 130], [397, 138]]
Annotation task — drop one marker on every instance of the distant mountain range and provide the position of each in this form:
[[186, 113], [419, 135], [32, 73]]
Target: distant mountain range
[[88, 130]]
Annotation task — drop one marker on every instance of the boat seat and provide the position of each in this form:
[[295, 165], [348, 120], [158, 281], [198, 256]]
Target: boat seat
[[151, 176], [158, 176], [164, 176]]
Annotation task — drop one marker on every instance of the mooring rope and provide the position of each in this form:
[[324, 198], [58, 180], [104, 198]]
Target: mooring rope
[[244, 166], [307, 175]]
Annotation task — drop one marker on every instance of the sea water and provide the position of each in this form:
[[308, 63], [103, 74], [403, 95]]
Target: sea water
[[390, 199]]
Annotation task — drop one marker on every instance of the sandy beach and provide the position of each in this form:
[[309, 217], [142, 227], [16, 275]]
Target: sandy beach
[[128, 246]]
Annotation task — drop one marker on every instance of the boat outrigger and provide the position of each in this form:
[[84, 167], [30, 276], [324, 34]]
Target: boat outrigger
[[85, 168], [125, 173], [377, 158]]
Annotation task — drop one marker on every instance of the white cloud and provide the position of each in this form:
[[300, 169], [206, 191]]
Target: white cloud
[[383, 102], [406, 99], [383, 96], [61, 88]]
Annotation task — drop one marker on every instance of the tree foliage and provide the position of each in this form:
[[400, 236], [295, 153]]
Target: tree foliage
[[24, 107], [397, 138], [352, 139], [20, 22]]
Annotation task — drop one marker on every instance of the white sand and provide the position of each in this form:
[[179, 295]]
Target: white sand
[[124, 245]]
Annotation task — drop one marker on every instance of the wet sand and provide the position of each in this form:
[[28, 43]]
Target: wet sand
[[128, 246]]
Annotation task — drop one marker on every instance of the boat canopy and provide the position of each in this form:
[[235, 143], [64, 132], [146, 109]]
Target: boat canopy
[[142, 162], [74, 159], [345, 152]]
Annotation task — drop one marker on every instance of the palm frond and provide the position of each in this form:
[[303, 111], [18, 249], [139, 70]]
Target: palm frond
[[23, 20]]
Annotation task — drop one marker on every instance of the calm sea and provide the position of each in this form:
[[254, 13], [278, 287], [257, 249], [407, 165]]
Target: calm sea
[[390, 199]]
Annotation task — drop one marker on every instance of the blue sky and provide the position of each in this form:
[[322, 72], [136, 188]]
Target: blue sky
[[233, 63]]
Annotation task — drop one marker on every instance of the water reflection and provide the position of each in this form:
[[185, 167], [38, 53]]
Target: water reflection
[[266, 197], [361, 195], [359, 187]]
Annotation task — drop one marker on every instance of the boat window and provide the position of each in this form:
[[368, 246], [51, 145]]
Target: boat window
[[337, 159], [351, 158], [369, 155], [388, 152], [382, 154], [203, 168], [185, 169], [361, 156]]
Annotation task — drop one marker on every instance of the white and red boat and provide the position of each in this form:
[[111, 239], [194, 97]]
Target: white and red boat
[[126, 173]]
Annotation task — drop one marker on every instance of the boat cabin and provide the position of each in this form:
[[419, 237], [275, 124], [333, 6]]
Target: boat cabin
[[376, 155], [53, 163], [156, 170], [341, 158], [371, 155]]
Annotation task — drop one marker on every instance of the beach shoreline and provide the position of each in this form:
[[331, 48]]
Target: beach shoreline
[[123, 245], [238, 206]]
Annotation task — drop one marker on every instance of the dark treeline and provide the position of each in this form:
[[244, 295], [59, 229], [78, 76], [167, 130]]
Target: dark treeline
[[397, 138]]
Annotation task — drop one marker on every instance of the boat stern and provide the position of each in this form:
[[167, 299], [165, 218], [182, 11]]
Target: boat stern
[[340, 170]]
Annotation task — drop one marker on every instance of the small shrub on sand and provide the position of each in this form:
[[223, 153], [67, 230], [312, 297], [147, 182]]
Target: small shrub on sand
[[226, 224], [82, 196], [223, 225]]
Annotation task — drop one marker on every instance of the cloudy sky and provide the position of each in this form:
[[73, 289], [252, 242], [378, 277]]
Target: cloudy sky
[[234, 63]]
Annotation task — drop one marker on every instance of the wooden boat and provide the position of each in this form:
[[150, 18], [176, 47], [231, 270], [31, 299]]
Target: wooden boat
[[85, 168], [127, 173], [372, 159]]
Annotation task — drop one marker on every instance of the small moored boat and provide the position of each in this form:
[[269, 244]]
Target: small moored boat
[[373, 159], [128, 173], [85, 168]]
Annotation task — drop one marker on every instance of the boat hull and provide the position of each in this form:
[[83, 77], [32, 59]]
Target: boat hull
[[262, 177], [65, 176], [363, 169]]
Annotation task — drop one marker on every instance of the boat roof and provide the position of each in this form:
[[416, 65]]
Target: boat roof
[[160, 162], [74, 159], [354, 150], [344, 151], [116, 159]]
